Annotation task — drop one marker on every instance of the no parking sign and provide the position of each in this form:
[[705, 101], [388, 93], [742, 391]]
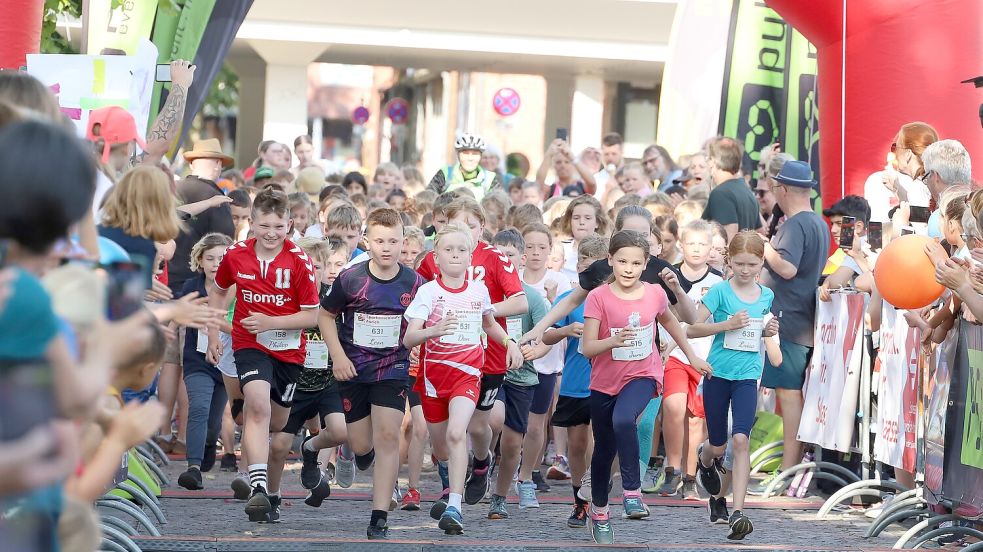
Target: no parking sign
[[398, 110], [361, 115], [506, 102]]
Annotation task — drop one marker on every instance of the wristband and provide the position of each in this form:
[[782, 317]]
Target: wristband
[[506, 339]]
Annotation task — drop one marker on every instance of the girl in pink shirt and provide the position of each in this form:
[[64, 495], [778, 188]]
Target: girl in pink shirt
[[626, 371]]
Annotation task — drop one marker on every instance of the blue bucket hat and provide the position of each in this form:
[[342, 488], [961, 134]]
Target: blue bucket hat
[[796, 173]]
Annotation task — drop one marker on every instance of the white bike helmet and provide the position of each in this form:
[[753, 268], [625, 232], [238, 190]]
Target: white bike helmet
[[468, 141]]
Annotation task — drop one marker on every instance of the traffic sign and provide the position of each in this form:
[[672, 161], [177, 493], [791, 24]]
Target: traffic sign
[[361, 115], [506, 102], [398, 110]]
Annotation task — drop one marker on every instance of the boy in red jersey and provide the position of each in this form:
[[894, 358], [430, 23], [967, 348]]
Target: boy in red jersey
[[490, 266], [276, 299]]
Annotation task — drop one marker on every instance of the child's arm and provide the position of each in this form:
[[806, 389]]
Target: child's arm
[[593, 346], [559, 311], [257, 322], [669, 322], [684, 304], [704, 329], [199, 207], [556, 335], [216, 299], [515, 305], [773, 350], [342, 366], [416, 334], [496, 333]]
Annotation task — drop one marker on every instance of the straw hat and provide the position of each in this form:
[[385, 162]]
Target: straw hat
[[208, 149], [310, 181]]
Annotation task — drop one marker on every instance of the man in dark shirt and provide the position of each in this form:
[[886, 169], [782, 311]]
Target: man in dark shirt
[[207, 160], [731, 203]]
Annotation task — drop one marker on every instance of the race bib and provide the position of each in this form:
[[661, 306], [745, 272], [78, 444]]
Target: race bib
[[746, 339], [377, 331], [513, 326], [279, 340], [636, 349], [202, 345], [317, 355], [468, 330]]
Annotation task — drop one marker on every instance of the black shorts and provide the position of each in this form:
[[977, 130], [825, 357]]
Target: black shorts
[[308, 404], [490, 384], [256, 365], [542, 397], [517, 400], [357, 399], [571, 411], [412, 396]]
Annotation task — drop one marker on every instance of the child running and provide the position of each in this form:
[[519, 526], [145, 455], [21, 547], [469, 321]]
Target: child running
[[741, 311], [276, 298], [363, 326], [447, 318], [625, 373]]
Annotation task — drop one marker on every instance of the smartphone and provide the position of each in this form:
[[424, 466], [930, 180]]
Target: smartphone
[[907, 230], [127, 283], [847, 229], [562, 134], [164, 72], [918, 214], [874, 236]]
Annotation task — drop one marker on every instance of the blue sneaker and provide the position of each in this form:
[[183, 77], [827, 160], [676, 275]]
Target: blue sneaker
[[451, 521], [600, 528], [634, 507]]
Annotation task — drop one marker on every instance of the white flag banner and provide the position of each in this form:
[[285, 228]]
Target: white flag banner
[[897, 403], [829, 409]]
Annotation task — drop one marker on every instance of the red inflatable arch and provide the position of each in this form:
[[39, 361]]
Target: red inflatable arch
[[904, 60], [20, 27]]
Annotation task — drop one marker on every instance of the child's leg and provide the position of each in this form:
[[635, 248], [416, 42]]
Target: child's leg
[[182, 411], [279, 450], [200, 387], [605, 445], [646, 425], [418, 440], [167, 389], [744, 402], [695, 429], [511, 453], [385, 423], [673, 417], [560, 436], [629, 404], [532, 445], [228, 431], [716, 403], [578, 441], [216, 413], [256, 429], [456, 436], [479, 429]]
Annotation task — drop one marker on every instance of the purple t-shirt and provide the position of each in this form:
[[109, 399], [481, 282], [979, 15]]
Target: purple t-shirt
[[371, 324]]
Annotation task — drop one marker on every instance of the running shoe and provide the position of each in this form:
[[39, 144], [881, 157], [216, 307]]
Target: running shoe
[[440, 505], [240, 487], [541, 484], [317, 495], [397, 496], [600, 528], [329, 473], [578, 519], [411, 500], [560, 470], [274, 515], [258, 507], [451, 521], [717, 507], [310, 472], [584, 492], [759, 489], [477, 486], [229, 463], [496, 510], [709, 475], [671, 484], [634, 507], [378, 530], [208, 459], [191, 479], [527, 495], [689, 489], [652, 480], [740, 526], [345, 471]]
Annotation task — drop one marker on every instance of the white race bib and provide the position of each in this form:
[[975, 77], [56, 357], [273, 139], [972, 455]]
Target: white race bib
[[317, 355], [636, 349], [513, 326], [377, 331], [468, 330], [202, 345], [279, 340], [747, 338]]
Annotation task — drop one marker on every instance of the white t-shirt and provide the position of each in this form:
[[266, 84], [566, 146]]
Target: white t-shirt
[[314, 231], [700, 345], [882, 200], [553, 361], [569, 262], [103, 186]]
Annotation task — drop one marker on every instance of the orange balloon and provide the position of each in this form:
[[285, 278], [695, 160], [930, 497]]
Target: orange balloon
[[904, 274]]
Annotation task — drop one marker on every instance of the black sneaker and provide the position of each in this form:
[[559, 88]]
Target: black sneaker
[[740, 526], [578, 519], [191, 480], [310, 472], [709, 475], [274, 515], [229, 463], [258, 507], [717, 507], [208, 460], [377, 531], [541, 484], [477, 486], [317, 495]]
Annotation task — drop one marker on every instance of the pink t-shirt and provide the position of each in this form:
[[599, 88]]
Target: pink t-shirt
[[610, 371]]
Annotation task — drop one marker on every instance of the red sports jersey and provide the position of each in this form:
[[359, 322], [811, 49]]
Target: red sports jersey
[[279, 287], [496, 271]]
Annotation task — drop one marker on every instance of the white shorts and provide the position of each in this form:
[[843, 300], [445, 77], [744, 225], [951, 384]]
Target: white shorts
[[227, 364]]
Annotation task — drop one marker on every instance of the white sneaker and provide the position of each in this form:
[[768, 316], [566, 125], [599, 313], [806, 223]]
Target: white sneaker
[[560, 470], [584, 493], [345, 469], [397, 496]]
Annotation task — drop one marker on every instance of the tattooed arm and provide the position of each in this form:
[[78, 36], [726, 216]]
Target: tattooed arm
[[165, 129]]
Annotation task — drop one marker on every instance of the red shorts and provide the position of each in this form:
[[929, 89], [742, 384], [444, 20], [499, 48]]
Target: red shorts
[[682, 378], [435, 409]]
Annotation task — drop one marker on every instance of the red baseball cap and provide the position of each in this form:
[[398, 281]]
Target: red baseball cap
[[115, 126]]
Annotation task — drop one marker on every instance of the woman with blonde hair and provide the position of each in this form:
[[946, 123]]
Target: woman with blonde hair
[[139, 211]]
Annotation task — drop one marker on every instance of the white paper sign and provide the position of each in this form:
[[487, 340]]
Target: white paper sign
[[317, 355], [377, 331], [202, 345], [513, 326], [468, 331], [638, 348], [279, 340]]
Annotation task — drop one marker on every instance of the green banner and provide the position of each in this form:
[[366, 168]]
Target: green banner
[[769, 92], [972, 445], [119, 28]]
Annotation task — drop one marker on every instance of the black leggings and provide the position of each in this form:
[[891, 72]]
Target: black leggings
[[613, 421]]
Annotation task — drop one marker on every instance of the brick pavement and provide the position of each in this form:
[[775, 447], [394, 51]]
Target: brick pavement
[[345, 516]]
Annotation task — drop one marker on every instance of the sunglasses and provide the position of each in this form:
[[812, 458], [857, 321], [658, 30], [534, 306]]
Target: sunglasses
[[760, 193]]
